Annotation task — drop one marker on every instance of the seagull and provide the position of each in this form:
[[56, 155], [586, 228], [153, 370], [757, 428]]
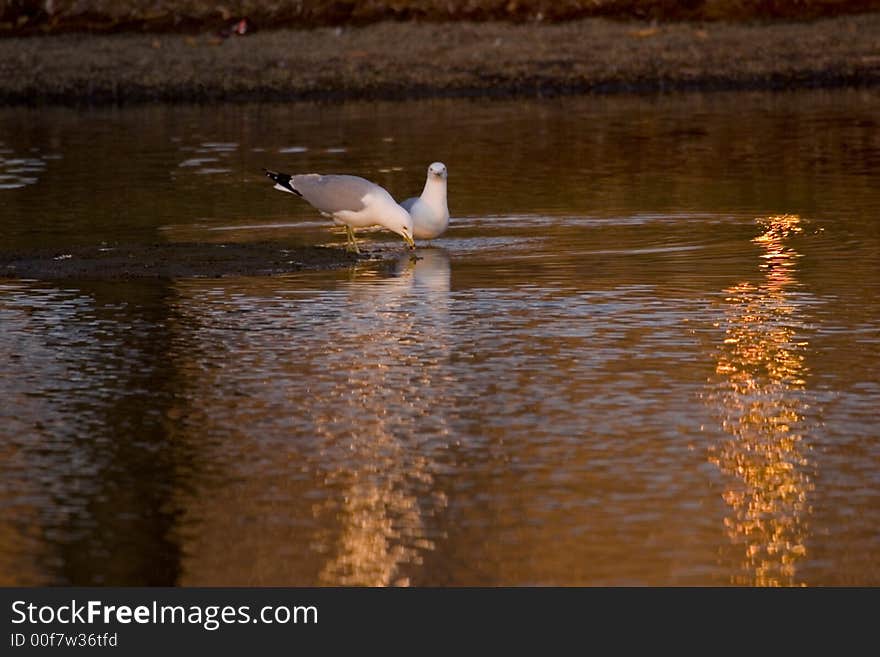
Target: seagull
[[429, 212], [351, 201]]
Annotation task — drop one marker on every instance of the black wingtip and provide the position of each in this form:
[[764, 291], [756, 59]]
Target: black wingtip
[[282, 179]]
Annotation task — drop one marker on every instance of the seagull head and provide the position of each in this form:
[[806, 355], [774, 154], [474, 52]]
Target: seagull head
[[402, 224], [437, 170]]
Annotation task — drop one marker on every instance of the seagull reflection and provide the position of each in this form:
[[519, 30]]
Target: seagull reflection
[[428, 270], [760, 396], [318, 395], [383, 410]]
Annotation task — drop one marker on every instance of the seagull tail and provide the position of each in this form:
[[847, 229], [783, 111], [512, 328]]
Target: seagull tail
[[282, 182]]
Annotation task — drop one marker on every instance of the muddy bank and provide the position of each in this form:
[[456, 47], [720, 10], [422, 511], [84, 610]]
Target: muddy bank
[[192, 260], [24, 17], [403, 60]]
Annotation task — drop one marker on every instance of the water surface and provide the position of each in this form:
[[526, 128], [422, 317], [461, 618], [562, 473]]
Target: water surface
[[645, 352]]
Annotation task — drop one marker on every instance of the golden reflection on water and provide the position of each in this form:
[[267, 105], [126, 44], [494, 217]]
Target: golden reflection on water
[[381, 524], [372, 359], [759, 396]]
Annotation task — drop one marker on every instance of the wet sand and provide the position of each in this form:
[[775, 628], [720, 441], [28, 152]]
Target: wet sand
[[399, 60], [30, 17], [194, 260]]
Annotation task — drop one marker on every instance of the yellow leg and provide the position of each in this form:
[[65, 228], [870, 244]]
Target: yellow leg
[[352, 240]]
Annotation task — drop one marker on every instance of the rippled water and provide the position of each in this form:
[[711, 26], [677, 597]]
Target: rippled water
[[646, 351]]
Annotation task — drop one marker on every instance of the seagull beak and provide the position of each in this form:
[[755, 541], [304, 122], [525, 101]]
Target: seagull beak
[[410, 241]]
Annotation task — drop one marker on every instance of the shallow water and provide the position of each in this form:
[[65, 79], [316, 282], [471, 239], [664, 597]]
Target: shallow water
[[646, 351]]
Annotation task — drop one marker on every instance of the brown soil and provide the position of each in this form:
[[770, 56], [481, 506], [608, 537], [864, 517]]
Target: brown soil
[[405, 60], [172, 261], [26, 17]]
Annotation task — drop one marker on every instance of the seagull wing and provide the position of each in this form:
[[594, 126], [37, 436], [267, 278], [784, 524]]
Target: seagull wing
[[331, 194]]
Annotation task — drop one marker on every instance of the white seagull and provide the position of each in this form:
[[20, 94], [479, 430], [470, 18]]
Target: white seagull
[[430, 212], [350, 201]]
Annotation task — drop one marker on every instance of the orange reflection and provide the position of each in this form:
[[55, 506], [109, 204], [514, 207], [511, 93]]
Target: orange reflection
[[381, 516], [335, 485], [760, 397]]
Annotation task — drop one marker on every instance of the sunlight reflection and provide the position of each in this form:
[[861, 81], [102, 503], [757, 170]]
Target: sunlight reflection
[[382, 514], [325, 401], [759, 395]]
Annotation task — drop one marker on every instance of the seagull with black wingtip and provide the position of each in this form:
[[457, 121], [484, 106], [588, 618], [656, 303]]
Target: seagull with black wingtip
[[350, 201]]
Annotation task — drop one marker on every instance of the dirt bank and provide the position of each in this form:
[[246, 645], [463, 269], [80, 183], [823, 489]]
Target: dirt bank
[[24, 17], [121, 262], [404, 60]]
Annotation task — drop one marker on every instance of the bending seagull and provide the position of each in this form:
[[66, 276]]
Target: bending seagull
[[351, 201], [429, 212]]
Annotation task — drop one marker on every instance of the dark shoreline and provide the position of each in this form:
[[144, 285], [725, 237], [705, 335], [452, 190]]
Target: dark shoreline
[[398, 61], [174, 260], [35, 17]]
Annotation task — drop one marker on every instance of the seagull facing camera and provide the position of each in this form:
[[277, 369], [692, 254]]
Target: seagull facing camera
[[430, 211]]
